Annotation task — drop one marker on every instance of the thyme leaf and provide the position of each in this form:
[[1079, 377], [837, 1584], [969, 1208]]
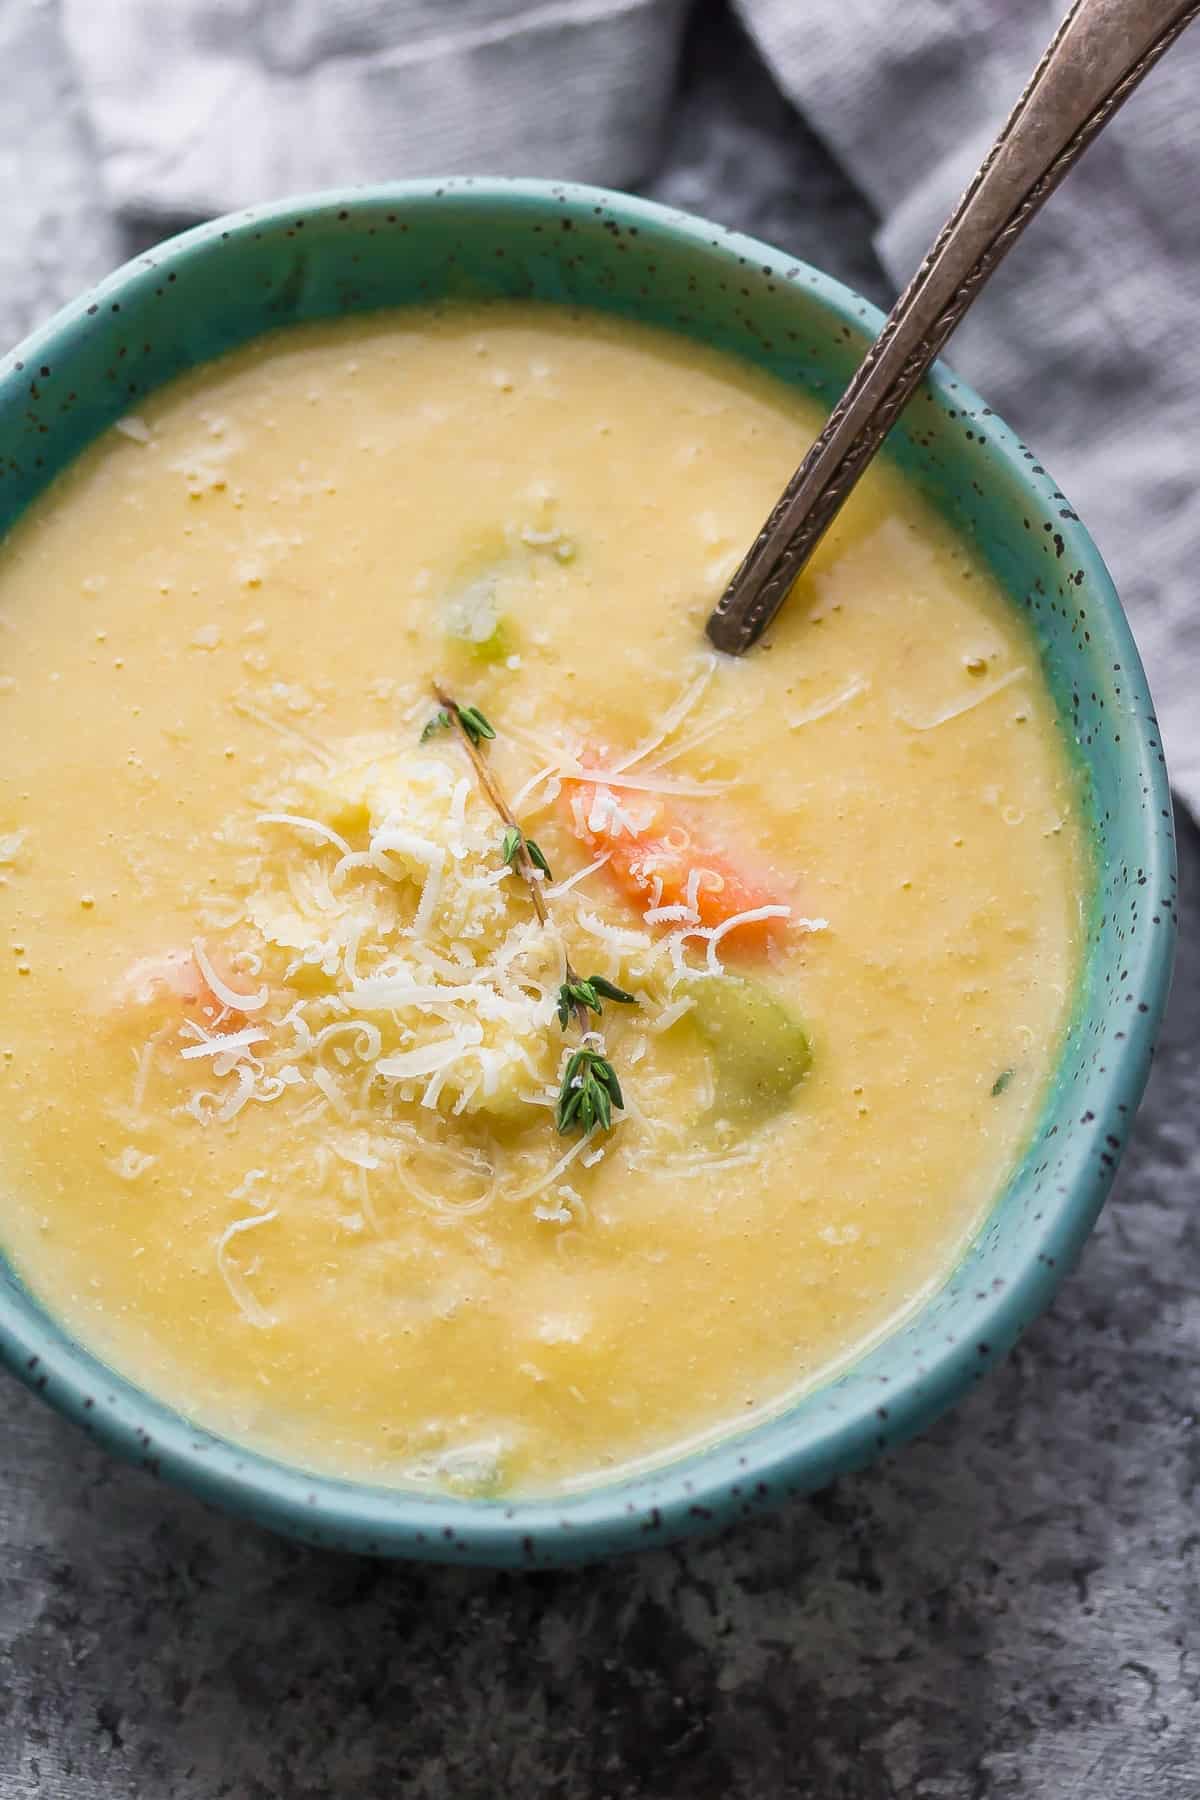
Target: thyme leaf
[[474, 724], [440, 722], [590, 992], [537, 859], [610, 991]]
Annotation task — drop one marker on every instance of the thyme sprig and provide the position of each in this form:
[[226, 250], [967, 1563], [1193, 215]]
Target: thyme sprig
[[473, 723], [474, 728], [589, 1091], [589, 1088]]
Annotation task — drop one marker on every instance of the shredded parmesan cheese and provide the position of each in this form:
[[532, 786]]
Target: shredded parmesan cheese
[[288, 733], [131, 1163], [230, 997], [976, 699], [826, 707], [648, 783], [241, 1096], [685, 745], [226, 1043], [233, 1277], [408, 994], [751, 917], [713, 934], [665, 915], [564, 887], [670, 721], [324, 1080], [670, 1015], [312, 825]]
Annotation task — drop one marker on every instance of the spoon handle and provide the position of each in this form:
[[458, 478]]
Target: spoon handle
[[1099, 54]]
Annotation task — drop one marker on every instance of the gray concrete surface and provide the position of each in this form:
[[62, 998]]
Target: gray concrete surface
[[1007, 1608]]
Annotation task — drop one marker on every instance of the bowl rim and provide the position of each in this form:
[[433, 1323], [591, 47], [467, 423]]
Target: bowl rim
[[755, 1466]]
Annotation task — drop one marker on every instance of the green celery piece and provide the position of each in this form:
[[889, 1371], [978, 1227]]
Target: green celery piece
[[471, 616], [762, 1051]]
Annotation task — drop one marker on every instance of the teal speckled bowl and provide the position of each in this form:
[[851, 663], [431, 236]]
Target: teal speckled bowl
[[214, 288]]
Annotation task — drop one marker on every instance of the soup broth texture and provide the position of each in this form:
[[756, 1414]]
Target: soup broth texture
[[298, 1127]]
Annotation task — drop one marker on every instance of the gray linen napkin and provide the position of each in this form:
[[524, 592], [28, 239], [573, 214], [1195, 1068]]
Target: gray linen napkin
[[1086, 341], [201, 105]]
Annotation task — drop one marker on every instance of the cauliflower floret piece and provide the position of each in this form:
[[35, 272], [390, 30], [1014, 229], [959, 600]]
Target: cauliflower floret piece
[[421, 817], [387, 783]]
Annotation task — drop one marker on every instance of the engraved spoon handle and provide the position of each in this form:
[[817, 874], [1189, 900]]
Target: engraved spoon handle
[[1100, 52]]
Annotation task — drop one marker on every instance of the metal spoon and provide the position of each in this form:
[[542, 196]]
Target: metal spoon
[[1099, 54]]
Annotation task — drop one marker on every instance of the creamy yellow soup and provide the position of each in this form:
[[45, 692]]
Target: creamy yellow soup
[[280, 1024]]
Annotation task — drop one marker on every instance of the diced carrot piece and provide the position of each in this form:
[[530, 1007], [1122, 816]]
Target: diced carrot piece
[[658, 859]]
